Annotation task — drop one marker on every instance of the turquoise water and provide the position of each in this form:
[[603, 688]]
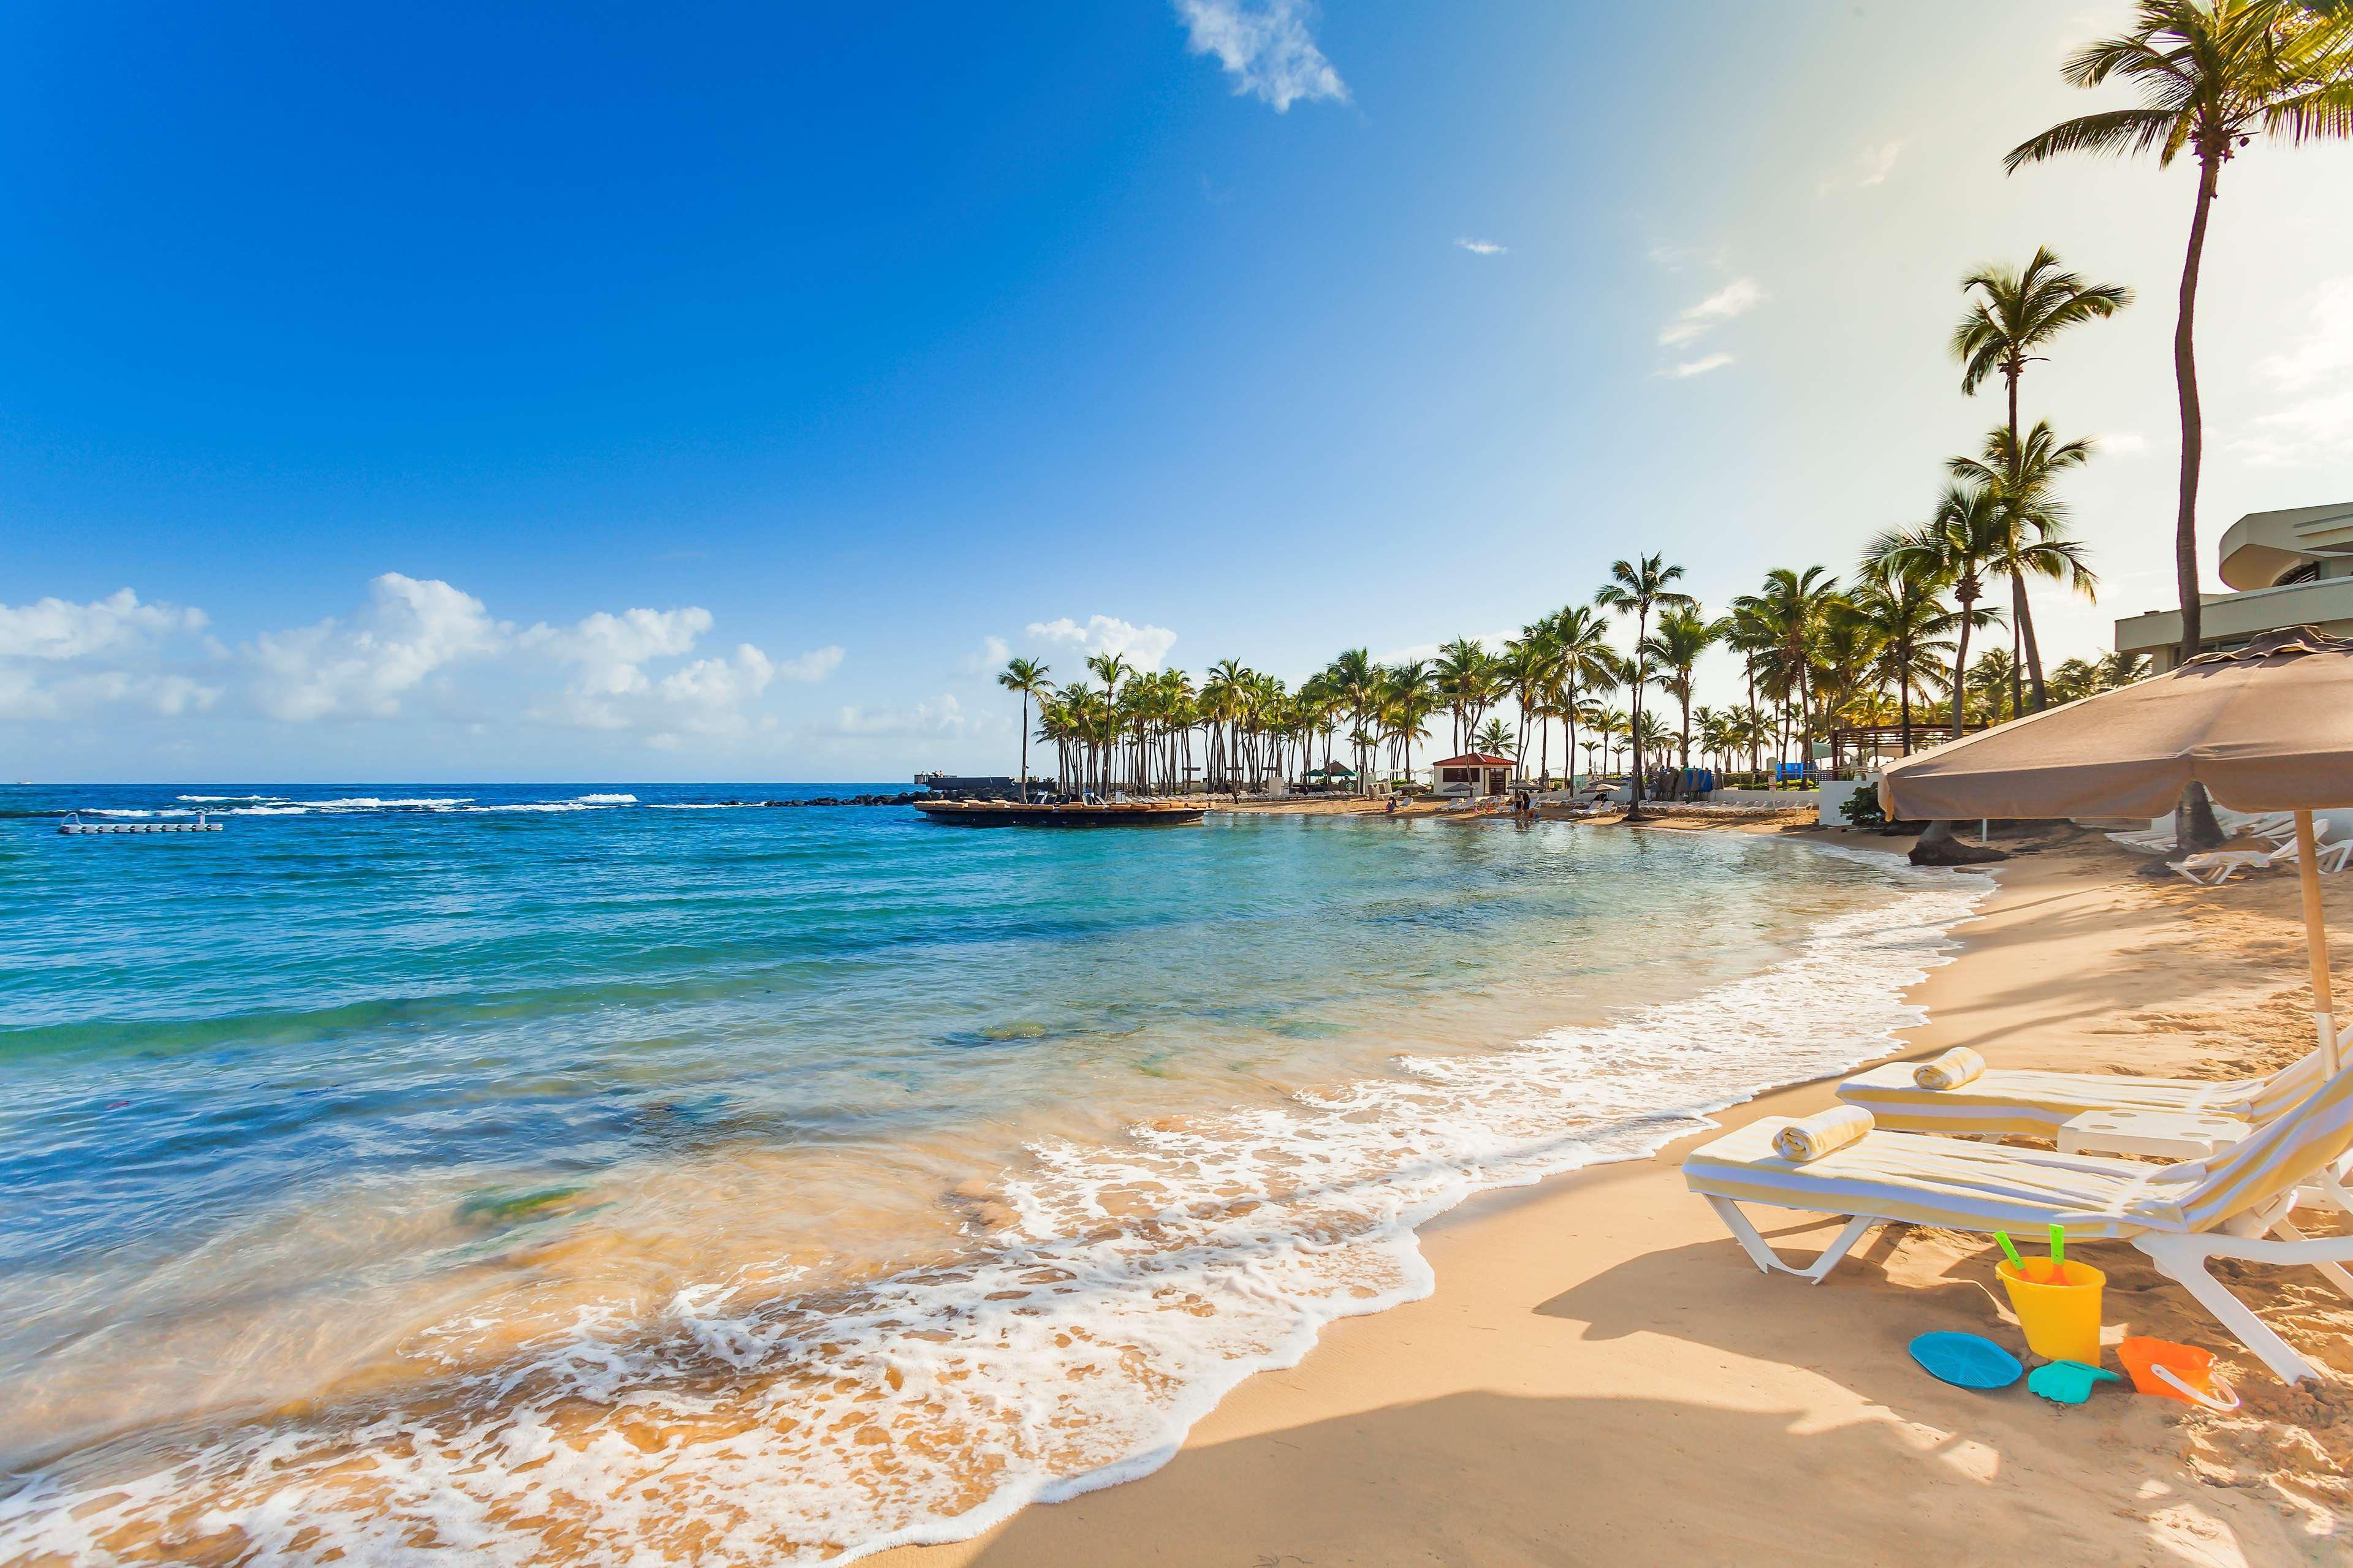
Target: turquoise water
[[895, 1173]]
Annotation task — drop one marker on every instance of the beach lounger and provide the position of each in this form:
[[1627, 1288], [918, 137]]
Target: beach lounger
[[2022, 1104], [2182, 1217], [2279, 827], [2216, 867]]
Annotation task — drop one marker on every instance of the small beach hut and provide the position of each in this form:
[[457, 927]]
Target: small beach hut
[[1482, 772], [2267, 727]]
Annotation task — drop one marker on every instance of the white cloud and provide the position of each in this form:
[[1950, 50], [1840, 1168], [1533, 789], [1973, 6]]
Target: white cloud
[[59, 660], [1700, 366], [1264, 47], [1482, 247], [1871, 167], [2325, 356], [2314, 423], [56, 629], [1143, 646], [409, 631], [812, 667], [943, 718], [2121, 443], [1737, 298], [989, 658]]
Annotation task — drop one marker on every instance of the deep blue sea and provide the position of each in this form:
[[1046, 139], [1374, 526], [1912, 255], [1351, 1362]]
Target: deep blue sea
[[584, 1173]]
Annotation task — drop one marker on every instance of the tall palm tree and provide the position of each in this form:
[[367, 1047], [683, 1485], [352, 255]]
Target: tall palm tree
[[2023, 477], [1641, 585], [1583, 665], [1958, 545], [1028, 677], [2011, 314], [2211, 75]]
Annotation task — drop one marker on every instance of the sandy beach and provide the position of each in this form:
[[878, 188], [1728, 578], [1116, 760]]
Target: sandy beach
[[1602, 1377]]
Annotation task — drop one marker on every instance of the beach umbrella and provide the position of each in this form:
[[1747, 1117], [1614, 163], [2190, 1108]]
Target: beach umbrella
[[2267, 727]]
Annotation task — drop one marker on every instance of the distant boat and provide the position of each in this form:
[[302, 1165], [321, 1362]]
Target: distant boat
[[1007, 814]]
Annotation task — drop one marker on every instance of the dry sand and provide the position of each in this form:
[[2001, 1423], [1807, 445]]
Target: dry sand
[[1602, 1377]]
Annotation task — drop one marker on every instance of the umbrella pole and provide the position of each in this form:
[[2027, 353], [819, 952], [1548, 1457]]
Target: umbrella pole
[[2316, 940]]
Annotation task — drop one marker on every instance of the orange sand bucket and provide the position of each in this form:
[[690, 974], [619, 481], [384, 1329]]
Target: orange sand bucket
[[2058, 1305], [2175, 1372]]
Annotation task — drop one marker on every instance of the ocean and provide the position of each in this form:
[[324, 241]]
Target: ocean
[[585, 1173]]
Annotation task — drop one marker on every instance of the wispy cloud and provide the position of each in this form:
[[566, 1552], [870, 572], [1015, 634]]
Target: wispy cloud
[[2121, 443], [2314, 423], [1700, 366], [1482, 247], [1143, 646], [989, 657], [1737, 298], [1871, 167], [1265, 46]]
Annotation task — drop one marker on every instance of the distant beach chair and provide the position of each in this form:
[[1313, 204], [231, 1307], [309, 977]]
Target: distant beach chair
[[2182, 1217], [2278, 826]]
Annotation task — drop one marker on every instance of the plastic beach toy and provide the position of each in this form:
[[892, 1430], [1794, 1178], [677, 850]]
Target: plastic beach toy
[[1966, 1361], [2057, 1303], [2175, 1372], [2068, 1381]]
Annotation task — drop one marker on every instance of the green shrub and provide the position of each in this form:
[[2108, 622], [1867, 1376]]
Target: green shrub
[[1861, 808]]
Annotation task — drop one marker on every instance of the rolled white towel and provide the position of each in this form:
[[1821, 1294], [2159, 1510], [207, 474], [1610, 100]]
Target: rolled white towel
[[1954, 1068], [1812, 1137]]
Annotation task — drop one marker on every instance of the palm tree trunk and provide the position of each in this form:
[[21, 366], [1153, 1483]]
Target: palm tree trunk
[[1960, 669], [1025, 746], [2193, 428]]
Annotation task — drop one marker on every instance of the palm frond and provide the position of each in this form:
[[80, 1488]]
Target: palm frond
[[2120, 131]]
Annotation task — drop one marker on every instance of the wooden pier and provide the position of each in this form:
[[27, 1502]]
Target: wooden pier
[[75, 825]]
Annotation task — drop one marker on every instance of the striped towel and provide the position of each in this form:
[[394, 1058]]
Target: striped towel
[[1812, 1137], [1955, 1068]]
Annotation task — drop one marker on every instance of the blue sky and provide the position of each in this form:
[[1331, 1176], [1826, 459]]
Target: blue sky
[[581, 393]]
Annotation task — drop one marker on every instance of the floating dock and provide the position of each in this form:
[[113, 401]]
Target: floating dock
[[75, 825], [1009, 814]]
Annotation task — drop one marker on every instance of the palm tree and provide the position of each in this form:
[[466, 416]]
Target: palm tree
[[1957, 545], [1785, 621], [1683, 635], [2023, 477], [2010, 316], [1028, 677], [1641, 585], [2211, 75], [1582, 664], [1898, 602], [1496, 739]]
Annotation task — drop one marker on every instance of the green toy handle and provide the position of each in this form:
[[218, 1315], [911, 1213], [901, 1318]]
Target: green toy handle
[[2058, 1248], [2015, 1260]]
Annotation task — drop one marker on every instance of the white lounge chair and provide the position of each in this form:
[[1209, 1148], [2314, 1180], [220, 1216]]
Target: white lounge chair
[[2182, 1217], [2216, 867], [2023, 1103], [2279, 827]]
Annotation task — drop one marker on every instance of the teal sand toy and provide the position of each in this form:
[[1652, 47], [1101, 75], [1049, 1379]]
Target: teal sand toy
[[1966, 1361], [2068, 1381]]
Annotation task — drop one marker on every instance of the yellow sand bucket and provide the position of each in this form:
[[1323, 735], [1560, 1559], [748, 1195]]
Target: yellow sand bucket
[[2058, 1305]]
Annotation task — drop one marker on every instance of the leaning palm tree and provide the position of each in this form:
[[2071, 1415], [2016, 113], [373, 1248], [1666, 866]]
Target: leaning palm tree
[[2211, 75], [2011, 315], [1028, 677], [1641, 585], [2023, 477]]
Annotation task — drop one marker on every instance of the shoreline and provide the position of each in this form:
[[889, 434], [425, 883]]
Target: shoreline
[[1598, 1325]]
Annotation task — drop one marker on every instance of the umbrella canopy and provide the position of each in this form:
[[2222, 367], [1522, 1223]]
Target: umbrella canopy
[[2267, 727], [1330, 771]]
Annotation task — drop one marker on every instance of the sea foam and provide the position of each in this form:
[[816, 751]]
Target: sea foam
[[1134, 1284]]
